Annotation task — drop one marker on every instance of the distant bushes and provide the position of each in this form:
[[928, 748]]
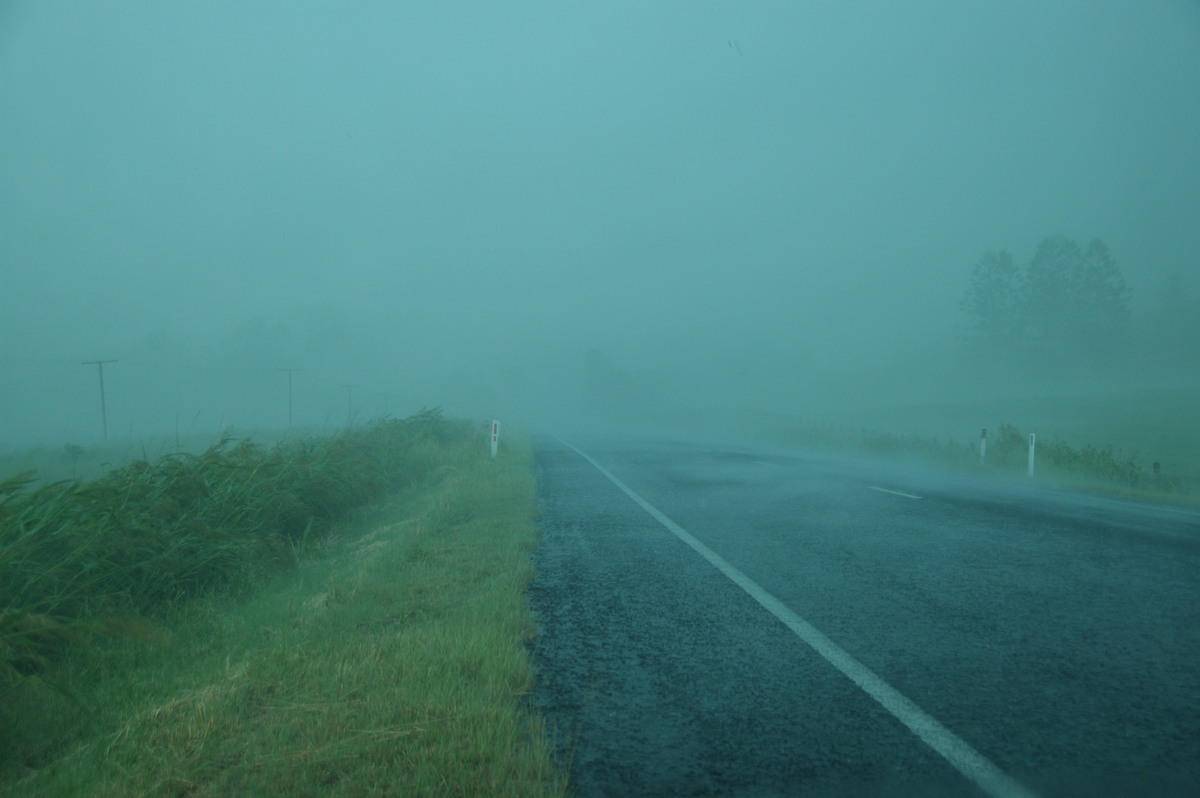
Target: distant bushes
[[1086, 466], [150, 534]]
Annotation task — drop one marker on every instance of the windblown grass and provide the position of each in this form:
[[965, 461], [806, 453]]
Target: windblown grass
[[387, 661], [150, 534], [75, 463]]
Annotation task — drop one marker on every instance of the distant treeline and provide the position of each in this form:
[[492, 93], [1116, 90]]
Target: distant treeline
[[1070, 304]]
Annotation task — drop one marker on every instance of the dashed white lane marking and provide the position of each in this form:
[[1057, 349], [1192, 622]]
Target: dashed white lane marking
[[965, 759], [894, 492]]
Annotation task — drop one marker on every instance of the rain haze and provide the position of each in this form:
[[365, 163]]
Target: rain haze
[[513, 209]]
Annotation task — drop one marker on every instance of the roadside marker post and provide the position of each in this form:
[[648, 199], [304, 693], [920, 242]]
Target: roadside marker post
[[982, 446], [495, 436], [1032, 448]]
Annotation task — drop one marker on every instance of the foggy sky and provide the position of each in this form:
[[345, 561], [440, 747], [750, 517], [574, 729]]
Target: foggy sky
[[419, 199]]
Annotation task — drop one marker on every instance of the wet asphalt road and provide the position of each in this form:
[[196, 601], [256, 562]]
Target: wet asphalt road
[[1057, 636]]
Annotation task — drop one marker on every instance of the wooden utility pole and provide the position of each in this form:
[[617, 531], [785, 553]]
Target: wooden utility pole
[[103, 406], [289, 373]]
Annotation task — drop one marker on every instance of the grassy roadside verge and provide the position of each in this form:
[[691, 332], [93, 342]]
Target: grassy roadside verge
[[388, 661], [1085, 468]]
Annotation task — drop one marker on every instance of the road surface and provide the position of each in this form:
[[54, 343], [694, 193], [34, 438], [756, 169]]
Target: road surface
[[715, 620]]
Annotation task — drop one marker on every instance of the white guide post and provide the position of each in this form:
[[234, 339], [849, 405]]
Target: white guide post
[[495, 436], [1032, 448], [983, 446]]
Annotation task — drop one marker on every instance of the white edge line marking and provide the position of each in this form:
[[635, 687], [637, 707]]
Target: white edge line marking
[[894, 492], [965, 759]]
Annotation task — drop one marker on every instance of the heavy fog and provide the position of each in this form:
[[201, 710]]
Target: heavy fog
[[321, 213]]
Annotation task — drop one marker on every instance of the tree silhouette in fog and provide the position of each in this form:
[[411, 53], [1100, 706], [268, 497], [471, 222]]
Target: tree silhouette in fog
[[1070, 303]]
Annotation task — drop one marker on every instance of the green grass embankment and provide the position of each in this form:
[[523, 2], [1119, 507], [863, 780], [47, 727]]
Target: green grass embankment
[[367, 643]]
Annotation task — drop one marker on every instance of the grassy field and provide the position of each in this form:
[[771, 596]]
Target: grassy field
[[1098, 441], [1161, 425], [384, 655]]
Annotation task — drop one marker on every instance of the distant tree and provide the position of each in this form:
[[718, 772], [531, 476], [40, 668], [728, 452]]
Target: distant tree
[[611, 391], [1104, 306], [1173, 301], [1076, 302], [992, 302], [602, 380], [1051, 279], [1069, 303]]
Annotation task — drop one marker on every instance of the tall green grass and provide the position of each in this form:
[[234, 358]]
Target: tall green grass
[[74, 556], [72, 462], [387, 659]]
